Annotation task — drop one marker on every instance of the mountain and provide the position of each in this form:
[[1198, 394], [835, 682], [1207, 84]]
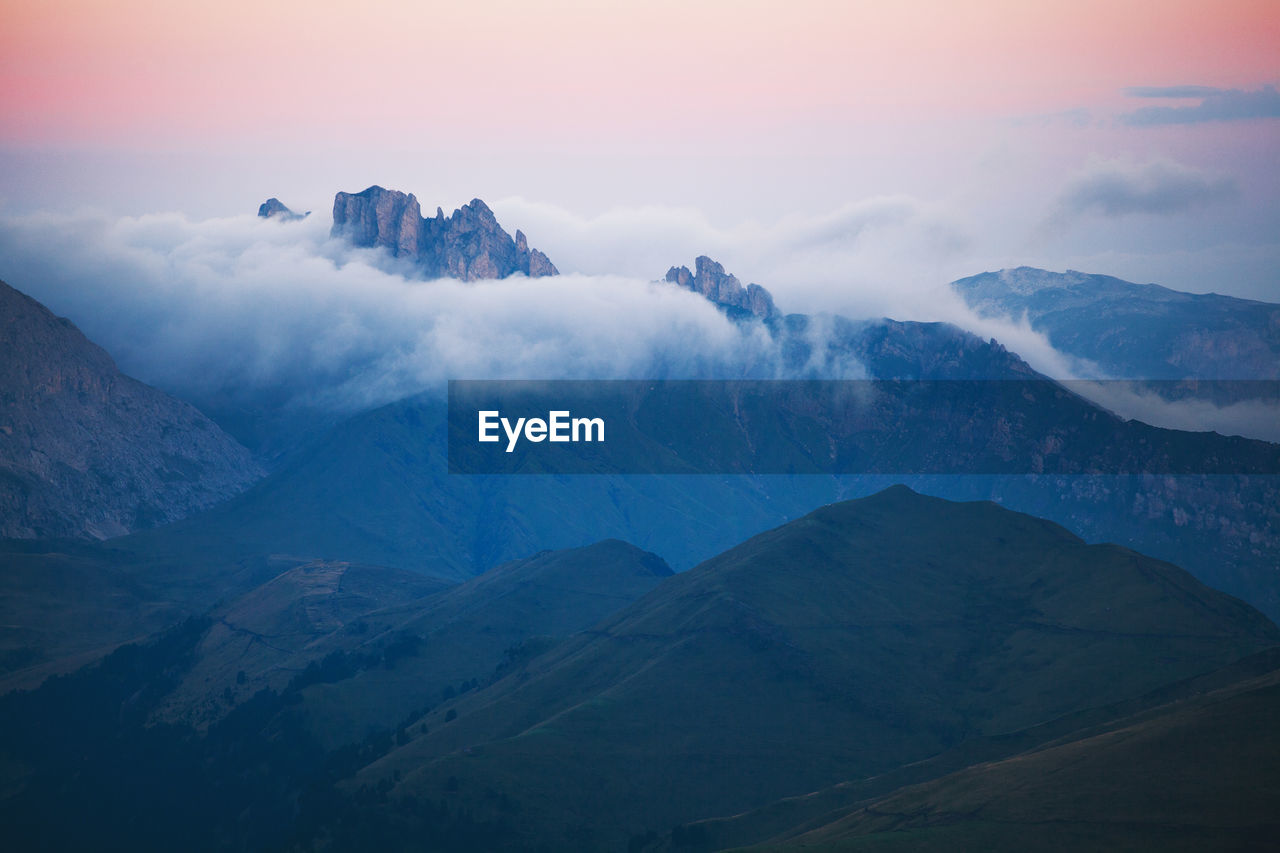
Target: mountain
[[398, 640], [1136, 331], [862, 637], [782, 821], [273, 208], [87, 452], [467, 245], [376, 489], [711, 281], [237, 728], [65, 604], [265, 637], [600, 701], [1196, 774]]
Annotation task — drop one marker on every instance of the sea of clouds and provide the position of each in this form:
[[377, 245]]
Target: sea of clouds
[[254, 309]]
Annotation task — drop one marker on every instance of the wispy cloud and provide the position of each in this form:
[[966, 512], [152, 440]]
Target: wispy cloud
[[1117, 188], [838, 260], [1215, 105], [1171, 91]]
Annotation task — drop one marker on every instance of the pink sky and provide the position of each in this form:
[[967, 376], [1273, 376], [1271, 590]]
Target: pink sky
[[150, 73], [989, 118]]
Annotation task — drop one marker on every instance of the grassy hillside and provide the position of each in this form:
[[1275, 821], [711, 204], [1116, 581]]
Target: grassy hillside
[[1201, 774], [859, 638]]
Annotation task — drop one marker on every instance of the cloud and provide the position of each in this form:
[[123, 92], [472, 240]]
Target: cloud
[[1252, 418], [1117, 188], [1215, 105], [249, 309], [842, 260], [257, 310], [255, 307]]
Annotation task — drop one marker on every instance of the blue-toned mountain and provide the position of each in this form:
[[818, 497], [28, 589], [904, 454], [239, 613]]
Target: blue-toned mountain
[[1136, 331]]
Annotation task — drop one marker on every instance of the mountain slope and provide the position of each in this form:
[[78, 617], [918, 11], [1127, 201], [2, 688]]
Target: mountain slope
[[87, 452], [163, 744], [267, 636], [343, 619], [376, 489], [861, 637], [1200, 774], [1136, 331], [465, 634]]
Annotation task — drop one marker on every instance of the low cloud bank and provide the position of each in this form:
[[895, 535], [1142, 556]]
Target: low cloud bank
[[1251, 418], [222, 306], [249, 308]]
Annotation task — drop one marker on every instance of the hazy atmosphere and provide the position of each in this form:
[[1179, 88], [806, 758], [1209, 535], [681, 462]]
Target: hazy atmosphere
[[306, 548]]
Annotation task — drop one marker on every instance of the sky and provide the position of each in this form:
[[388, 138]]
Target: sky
[[850, 156], [1133, 138]]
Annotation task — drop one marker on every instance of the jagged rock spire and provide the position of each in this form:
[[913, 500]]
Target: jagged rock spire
[[468, 245], [724, 289]]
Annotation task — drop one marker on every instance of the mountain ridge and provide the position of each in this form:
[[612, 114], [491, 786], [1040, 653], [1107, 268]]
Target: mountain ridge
[[723, 289], [468, 245], [1135, 331]]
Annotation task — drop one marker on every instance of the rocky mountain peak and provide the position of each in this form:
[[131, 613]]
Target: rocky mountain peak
[[724, 289], [273, 208], [468, 245]]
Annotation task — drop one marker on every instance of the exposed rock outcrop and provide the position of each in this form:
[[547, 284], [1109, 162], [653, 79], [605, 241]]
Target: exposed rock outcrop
[[468, 245], [87, 452], [724, 289], [273, 208]]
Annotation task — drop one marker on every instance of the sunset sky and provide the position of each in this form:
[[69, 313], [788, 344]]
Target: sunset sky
[[1133, 138]]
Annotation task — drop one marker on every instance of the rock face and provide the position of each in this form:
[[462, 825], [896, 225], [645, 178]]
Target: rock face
[[725, 290], [87, 452], [468, 245], [272, 208]]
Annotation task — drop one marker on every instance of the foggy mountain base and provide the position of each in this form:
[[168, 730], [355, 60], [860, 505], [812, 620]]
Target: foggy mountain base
[[244, 314]]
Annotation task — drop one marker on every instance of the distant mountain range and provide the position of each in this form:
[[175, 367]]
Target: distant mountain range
[[1136, 331]]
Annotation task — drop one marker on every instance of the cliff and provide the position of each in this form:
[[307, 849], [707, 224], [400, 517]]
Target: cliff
[[468, 245], [724, 289]]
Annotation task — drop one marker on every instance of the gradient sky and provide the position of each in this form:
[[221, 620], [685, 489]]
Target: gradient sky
[[1048, 133]]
